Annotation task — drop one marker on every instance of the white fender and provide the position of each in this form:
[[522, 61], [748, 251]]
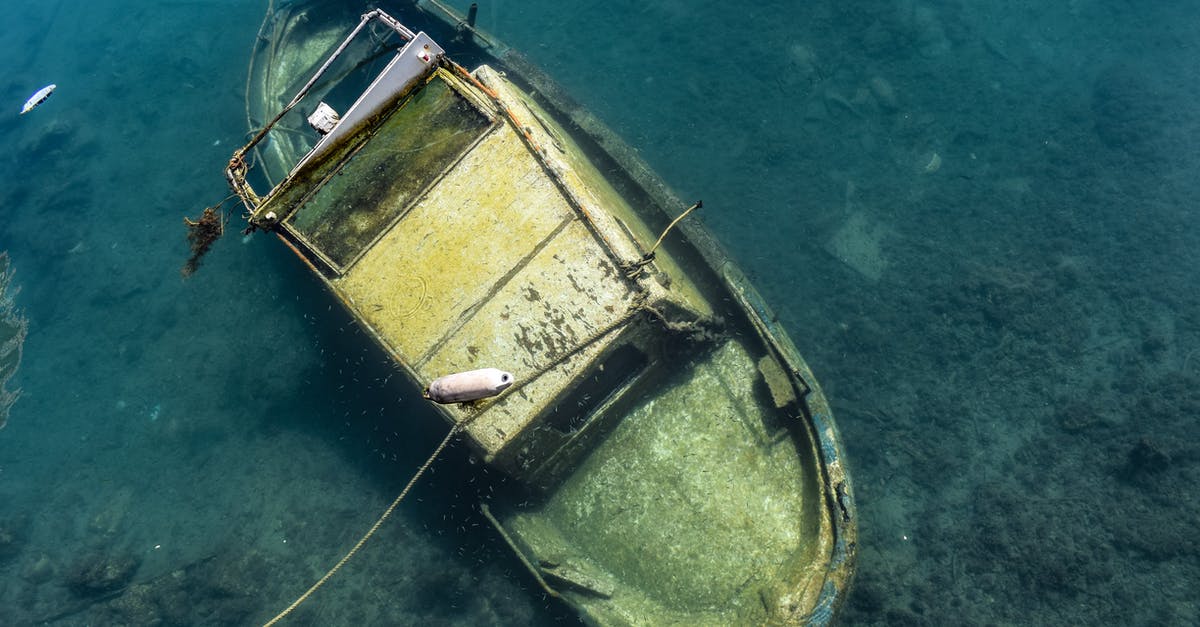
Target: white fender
[[468, 386]]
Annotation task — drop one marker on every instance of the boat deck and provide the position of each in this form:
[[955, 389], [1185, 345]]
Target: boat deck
[[474, 257]]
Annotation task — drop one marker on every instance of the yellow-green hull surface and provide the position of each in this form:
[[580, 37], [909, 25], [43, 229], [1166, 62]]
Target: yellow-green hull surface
[[679, 462]]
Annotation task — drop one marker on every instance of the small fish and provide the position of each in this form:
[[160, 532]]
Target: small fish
[[38, 98]]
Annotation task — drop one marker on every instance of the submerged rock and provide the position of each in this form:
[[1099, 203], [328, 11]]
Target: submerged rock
[[39, 571], [1146, 457], [97, 573], [884, 93]]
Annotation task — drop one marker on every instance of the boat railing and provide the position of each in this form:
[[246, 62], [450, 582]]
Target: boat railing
[[238, 168]]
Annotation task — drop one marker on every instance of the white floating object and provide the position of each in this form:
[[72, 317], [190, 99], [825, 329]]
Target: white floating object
[[323, 119], [468, 386], [38, 98]]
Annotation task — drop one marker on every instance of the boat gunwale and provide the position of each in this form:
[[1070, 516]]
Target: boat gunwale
[[599, 141], [840, 499]]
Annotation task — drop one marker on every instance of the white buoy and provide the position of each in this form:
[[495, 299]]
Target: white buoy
[[38, 98], [468, 386]]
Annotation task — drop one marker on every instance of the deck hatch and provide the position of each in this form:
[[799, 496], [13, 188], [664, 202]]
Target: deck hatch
[[365, 193]]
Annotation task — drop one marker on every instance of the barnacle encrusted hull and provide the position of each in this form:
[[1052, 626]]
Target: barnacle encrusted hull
[[12, 337]]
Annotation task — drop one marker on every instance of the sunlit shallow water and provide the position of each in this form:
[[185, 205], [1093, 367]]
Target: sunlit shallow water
[[978, 223]]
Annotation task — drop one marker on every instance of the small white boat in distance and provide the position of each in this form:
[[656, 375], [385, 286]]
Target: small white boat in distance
[[38, 98]]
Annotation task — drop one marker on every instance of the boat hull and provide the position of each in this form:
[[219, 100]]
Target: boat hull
[[677, 461]]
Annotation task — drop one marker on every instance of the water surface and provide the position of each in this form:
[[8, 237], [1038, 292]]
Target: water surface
[[978, 223]]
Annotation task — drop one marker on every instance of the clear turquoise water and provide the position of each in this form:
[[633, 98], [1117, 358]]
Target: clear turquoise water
[[1009, 333]]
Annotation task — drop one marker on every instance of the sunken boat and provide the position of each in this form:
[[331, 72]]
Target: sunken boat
[[677, 462]]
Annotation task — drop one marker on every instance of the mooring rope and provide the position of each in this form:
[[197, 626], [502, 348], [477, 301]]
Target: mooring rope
[[637, 306], [367, 536]]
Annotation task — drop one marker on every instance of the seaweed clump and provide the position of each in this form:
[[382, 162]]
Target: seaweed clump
[[12, 338], [202, 233]]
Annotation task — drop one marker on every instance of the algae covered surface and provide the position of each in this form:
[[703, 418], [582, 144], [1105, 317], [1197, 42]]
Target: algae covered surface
[[977, 221]]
